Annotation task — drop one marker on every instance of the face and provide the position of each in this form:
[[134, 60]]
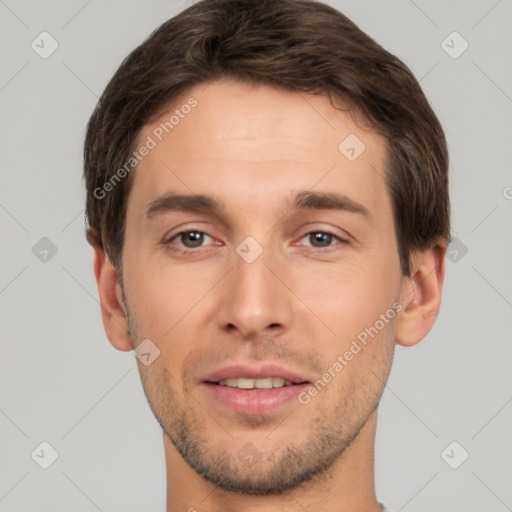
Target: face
[[259, 252]]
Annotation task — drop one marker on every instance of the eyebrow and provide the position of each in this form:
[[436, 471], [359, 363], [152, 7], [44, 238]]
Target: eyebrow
[[183, 203], [329, 201], [306, 200]]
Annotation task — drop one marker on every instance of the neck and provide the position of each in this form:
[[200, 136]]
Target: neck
[[347, 485]]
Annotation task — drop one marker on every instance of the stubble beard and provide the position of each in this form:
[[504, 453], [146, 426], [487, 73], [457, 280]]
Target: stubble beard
[[325, 437]]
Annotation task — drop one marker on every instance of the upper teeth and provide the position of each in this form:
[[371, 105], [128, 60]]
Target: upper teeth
[[266, 383]]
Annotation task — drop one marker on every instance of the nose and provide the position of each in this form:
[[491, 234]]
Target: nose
[[255, 301]]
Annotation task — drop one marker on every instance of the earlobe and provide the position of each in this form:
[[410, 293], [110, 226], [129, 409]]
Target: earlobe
[[421, 295], [113, 312]]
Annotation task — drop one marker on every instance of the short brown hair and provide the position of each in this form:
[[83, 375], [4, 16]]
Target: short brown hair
[[300, 45]]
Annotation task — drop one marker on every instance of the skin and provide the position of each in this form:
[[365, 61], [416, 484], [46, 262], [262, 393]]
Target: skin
[[300, 304]]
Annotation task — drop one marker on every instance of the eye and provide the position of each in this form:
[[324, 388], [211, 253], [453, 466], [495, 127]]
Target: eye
[[322, 239], [189, 239]]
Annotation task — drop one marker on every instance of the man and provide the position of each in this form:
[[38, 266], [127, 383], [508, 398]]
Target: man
[[267, 198]]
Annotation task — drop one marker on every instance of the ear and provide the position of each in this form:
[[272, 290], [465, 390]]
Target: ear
[[421, 295], [113, 311]]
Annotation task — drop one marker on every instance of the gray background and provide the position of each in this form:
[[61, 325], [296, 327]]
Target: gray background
[[61, 381]]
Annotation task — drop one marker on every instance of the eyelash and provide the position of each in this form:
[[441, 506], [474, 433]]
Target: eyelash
[[175, 249]]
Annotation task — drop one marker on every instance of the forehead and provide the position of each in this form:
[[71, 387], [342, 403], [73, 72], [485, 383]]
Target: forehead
[[242, 141]]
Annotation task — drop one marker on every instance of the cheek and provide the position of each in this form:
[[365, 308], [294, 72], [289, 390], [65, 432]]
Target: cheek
[[162, 298], [349, 297]]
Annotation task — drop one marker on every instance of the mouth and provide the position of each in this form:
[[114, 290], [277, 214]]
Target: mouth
[[251, 390], [256, 384], [251, 376]]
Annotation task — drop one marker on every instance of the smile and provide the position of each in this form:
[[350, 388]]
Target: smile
[[264, 383]]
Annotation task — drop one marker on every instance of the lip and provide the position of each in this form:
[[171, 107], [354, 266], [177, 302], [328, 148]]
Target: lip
[[254, 372], [253, 402]]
